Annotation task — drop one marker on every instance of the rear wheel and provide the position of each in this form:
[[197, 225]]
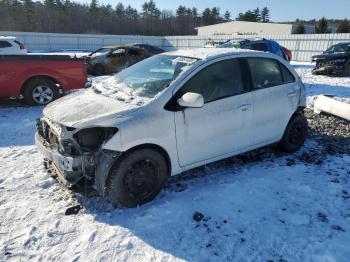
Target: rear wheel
[[295, 134], [40, 91], [137, 177]]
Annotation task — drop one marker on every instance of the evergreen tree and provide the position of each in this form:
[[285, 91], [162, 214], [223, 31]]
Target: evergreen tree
[[206, 16], [120, 10], [227, 16], [257, 14], [248, 16], [344, 27], [300, 29], [265, 15], [322, 26]]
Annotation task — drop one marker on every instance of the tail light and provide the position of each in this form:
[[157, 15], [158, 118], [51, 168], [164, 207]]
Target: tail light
[[22, 46]]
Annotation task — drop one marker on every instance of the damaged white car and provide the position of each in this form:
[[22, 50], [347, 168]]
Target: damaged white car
[[170, 113]]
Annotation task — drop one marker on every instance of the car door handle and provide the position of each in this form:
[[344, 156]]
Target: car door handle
[[292, 94], [244, 107]]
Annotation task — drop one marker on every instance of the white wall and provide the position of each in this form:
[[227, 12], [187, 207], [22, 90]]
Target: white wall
[[239, 27], [303, 46]]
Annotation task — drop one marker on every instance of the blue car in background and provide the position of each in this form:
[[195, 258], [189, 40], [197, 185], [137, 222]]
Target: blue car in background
[[262, 44]]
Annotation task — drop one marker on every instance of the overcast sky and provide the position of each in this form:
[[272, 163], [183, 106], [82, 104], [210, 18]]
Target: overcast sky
[[281, 10]]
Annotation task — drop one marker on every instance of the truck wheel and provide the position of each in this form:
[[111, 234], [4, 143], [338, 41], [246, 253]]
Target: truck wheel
[[98, 70], [136, 178], [40, 91], [295, 134]]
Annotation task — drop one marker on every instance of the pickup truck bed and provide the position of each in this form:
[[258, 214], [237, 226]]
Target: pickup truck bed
[[40, 78]]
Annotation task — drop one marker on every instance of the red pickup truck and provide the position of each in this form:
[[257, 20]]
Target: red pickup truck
[[40, 78]]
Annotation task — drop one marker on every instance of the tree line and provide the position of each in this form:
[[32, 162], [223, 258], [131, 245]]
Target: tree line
[[323, 26], [65, 16]]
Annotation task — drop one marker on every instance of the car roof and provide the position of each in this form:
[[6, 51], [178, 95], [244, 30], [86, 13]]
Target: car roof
[[7, 38], [206, 53], [121, 46]]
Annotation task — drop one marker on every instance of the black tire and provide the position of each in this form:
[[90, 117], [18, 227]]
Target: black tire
[[295, 134], [32, 94], [136, 178], [98, 70]]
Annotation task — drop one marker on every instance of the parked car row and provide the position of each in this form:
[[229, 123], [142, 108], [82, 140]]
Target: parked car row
[[40, 79], [259, 44]]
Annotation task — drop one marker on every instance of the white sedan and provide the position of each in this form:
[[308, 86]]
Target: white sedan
[[170, 113], [9, 45]]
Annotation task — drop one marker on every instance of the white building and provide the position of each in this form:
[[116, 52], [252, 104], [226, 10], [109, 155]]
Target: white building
[[245, 28]]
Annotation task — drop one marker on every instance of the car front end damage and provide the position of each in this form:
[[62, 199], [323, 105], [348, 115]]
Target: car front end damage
[[73, 154], [334, 66]]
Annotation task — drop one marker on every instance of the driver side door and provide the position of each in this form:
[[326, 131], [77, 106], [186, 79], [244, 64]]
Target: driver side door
[[223, 125]]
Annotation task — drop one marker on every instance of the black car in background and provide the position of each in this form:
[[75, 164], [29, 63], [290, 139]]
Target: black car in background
[[334, 61]]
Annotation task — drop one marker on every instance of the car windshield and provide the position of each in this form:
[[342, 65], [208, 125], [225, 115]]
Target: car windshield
[[101, 51], [345, 48], [144, 80]]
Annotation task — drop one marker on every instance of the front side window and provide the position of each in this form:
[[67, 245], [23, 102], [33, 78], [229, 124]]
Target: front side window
[[265, 72], [219, 80], [286, 75], [4, 44]]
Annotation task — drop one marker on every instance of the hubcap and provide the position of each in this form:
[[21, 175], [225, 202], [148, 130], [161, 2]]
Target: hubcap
[[141, 179], [42, 94]]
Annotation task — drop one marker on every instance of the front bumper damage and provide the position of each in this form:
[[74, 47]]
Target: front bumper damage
[[70, 163], [328, 67]]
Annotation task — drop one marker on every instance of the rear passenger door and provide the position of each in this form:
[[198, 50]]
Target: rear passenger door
[[223, 125], [275, 95]]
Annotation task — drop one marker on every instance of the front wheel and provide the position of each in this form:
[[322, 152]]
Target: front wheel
[[136, 178], [295, 134], [40, 91]]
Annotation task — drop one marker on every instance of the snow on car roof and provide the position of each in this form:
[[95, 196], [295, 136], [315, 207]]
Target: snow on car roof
[[7, 37], [204, 53]]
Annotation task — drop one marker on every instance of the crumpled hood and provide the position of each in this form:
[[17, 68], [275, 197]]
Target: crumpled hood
[[86, 108]]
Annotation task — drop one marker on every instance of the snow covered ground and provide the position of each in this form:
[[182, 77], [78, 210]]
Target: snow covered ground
[[267, 207]]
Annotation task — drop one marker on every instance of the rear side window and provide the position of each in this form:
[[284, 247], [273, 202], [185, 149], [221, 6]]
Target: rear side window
[[265, 72], [286, 75], [4, 44], [219, 80]]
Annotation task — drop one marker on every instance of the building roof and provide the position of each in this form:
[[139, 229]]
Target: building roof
[[243, 27]]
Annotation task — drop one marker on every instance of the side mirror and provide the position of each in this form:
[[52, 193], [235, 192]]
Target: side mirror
[[191, 100]]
